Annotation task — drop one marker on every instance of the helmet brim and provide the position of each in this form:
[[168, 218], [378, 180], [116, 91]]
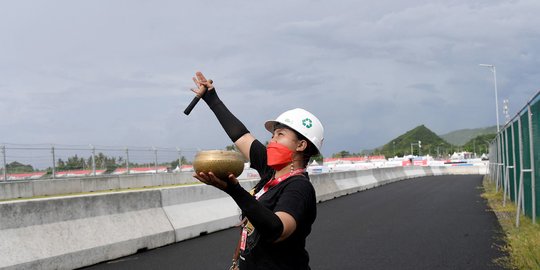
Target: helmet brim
[[271, 124]]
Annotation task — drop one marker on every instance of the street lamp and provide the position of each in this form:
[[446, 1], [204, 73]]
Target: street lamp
[[419, 143], [492, 68]]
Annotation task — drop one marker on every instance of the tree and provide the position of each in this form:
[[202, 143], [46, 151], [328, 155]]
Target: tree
[[60, 164], [231, 147], [74, 163], [16, 167], [342, 154], [318, 158], [174, 163]]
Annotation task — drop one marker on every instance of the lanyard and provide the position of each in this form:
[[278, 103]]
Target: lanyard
[[247, 227], [276, 181]]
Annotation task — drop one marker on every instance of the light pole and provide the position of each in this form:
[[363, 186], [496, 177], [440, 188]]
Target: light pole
[[487, 146], [492, 68], [419, 143], [474, 147], [505, 111]]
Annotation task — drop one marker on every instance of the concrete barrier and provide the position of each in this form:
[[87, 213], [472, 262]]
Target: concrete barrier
[[389, 175], [94, 184], [195, 210], [354, 181], [12, 190], [414, 171], [58, 186], [467, 169], [140, 181], [71, 232], [50, 187], [437, 171], [76, 231], [200, 209]]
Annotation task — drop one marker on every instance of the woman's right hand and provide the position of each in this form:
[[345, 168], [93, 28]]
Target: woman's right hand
[[212, 180], [202, 84]]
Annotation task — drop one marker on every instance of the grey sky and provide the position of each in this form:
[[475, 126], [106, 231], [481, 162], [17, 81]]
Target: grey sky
[[119, 72]]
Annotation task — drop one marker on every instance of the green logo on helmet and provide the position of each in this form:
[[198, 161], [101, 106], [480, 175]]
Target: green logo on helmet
[[307, 123]]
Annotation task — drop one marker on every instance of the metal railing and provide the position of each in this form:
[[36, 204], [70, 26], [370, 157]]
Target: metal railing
[[514, 156], [28, 161]]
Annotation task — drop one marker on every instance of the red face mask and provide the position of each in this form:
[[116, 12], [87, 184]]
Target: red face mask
[[279, 155]]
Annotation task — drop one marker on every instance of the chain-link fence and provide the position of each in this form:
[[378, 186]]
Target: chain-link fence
[[40, 161], [515, 157]]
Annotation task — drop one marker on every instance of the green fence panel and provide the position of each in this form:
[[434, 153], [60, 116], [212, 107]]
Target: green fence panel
[[527, 192], [513, 162], [535, 110], [509, 172], [515, 158], [502, 159], [505, 150]]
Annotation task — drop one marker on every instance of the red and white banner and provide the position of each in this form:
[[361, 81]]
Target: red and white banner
[[23, 176], [160, 169]]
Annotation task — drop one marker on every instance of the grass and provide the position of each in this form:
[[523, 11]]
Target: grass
[[522, 243]]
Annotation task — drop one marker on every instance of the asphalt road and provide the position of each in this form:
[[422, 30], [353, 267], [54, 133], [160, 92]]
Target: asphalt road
[[424, 223]]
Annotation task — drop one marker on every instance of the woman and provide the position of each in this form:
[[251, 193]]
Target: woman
[[282, 207]]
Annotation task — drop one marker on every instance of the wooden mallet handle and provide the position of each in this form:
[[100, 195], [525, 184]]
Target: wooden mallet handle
[[194, 102]]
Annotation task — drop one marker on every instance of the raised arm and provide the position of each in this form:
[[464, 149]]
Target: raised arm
[[235, 129], [274, 227]]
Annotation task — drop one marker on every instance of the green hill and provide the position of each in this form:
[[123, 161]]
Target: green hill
[[462, 136], [402, 145], [471, 140], [479, 144]]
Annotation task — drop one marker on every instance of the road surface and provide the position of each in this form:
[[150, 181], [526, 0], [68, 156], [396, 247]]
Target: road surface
[[423, 223]]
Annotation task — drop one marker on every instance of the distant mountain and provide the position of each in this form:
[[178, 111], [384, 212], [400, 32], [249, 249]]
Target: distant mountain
[[402, 145], [462, 136]]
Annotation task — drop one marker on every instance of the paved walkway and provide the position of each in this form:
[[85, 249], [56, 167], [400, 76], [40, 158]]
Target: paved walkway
[[424, 223]]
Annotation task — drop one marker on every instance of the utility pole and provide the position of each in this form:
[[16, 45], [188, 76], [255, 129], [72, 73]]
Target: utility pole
[[53, 163], [4, 158], [179, 158], [127, 160], [155, 159], [93, 160]]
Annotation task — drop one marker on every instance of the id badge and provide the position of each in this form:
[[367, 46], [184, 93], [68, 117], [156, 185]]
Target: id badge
[[243, 240]]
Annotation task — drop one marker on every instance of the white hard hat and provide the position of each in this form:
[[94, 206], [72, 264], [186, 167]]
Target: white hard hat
[[302, 122]]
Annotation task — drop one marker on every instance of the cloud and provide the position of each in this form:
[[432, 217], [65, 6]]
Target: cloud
[[370, 71]]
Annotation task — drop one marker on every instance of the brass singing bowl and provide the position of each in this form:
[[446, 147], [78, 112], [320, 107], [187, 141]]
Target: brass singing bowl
[[220, 162]]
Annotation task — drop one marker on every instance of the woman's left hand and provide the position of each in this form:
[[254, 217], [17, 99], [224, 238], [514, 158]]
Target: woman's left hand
[[212, 180]]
